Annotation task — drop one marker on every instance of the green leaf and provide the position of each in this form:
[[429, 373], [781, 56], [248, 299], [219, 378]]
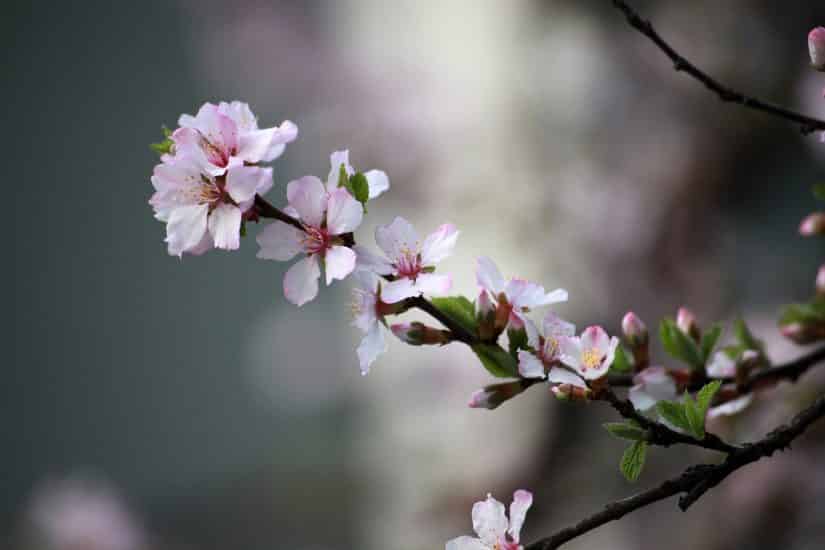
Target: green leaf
[[633, 460], [809, 313], [343, 178], [819, 191], [680, 345], [621, 361], [360, 187], [705, 395], [517, 340], [626, 430], [243, 228], [163, 147], [709, 340], [497, 361], [695, 417], [674, 413], [745, 337], [459, 309]]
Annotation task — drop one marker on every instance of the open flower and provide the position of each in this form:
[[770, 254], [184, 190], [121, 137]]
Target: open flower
[[201, 210], [221, 133], [376, 179], [367, 316], [409, 262], [491, 525], [651, 385], [516, 296], [325, 216], [546, 360], [591, 354]]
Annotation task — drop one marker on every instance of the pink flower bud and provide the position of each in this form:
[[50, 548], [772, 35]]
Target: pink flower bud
[[419, 334], [484, 305], [820, 281], [813, 224], [494, 395], [569, 392], [803, 334], [686, 322], [816, 46], [634, 329]]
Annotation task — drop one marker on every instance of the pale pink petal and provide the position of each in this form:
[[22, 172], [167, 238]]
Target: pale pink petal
[[188, 144], [489, 521], [242, 182], [522, 293], [372, 262], [522, 500], [202, 247], [594, 337], [378, 182], [339, 262], [731, 407], [432, 284], [553, 297], [397, 237], [396, 291], [366, 280], [439, 245], [225, 226], [488, 276], [344, 213], [336, 159], [186, 228], [640, 398], [554, 325], [309, 198], [301, 281], [570, 351], [721, 366], [657, 383], [255, 144], [558, 375], [279, 241], [466, 543], [609, 354], [240, 113], [532, 333], [371, 346], [529, 366]]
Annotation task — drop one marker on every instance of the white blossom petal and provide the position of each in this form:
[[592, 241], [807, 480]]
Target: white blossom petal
[[301, 281], [371, 346], [344, 213], [339, 262], [395, 291], [731, 407], [641, 399], [553, 325], [721, 366], [488, 276], [336, 159], [558, 375], [186, 228], [489, 521], [439, 245], [309, 198], [225, 226], [530, 366], [280, 241], [570, 351], [522, 500], [466, 543], [369, 261], [378, 182], [243, 182], [433, 284], [396, 238]]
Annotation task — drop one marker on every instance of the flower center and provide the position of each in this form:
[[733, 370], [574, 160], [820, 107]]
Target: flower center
[[592, 358], [316, 240], [408, 264], [551, 348]]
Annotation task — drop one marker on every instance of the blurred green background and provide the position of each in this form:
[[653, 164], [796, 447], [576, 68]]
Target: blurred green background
[[559, 141]]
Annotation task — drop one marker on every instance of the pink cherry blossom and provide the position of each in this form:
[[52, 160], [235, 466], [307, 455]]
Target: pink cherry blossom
[[202, 210], [221, 133], [816, 46], [376, 179], [591, 354], [325, 217], [409, 262], [490, 523], [651, 385], [367, 317], [518, 294], [546, 359]]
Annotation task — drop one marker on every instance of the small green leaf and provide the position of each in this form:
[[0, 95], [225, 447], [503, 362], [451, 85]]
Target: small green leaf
[[343, 178], [709, 340], [745, 337], [680, 345], [459, 309], [621, 361], [498, 362], [819, 191], [517, 340], [695, 418], [809, 313], [633, 460], [163, 147], [626, 430], [360, 187], [704, 397], [243, 228], [674, 413]]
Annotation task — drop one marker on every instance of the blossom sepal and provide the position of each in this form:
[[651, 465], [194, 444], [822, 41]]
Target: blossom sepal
[[419, 334]]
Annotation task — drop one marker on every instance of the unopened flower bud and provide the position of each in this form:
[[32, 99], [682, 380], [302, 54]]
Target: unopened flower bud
[[820, 281], [803, 334], [494, 395], [419, 334], [749, 360], [569, 392], [484, 305], [812, 225], [486, 317], [634, 329], [686, 322], [816, 46]]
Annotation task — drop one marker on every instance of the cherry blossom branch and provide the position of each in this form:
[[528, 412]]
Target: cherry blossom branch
[[726, 94], [695, 481], [659, 434], [266, 210]]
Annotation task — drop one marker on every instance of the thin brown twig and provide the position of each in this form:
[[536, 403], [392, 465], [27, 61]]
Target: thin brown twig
[[807, 124], [694, 482]]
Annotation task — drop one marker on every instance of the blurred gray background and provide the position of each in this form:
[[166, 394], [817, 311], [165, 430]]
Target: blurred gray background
[[561, 143]]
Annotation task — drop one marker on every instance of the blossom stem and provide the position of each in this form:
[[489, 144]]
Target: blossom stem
[[727, 95]]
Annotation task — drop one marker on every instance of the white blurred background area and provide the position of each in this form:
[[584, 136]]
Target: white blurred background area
[[153, 403]]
